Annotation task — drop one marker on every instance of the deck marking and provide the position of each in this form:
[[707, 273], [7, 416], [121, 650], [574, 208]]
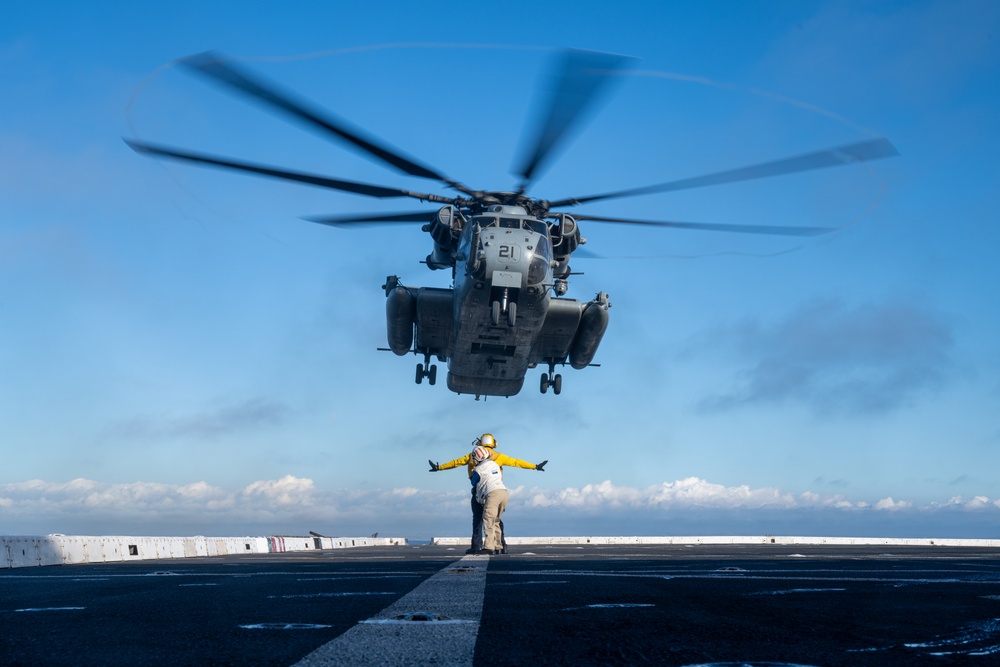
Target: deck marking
[[284, 626], [455, 592]]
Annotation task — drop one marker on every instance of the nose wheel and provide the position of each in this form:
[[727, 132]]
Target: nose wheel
[[498, 309]]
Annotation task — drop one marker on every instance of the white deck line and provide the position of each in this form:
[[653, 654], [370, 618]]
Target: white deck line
[[454, 595]]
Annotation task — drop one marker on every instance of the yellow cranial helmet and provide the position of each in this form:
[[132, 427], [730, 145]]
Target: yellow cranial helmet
[[487, 440]]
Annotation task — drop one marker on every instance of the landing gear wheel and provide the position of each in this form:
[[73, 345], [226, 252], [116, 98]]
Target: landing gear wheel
[[420, 373], [511, 313], [495, 314], [545, 382], [432, 375], [557, 385]]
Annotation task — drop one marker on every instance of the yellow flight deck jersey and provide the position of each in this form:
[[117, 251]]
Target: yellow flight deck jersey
[[501, 460]]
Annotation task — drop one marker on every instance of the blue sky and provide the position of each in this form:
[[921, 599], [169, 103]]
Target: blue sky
[[181, 353]]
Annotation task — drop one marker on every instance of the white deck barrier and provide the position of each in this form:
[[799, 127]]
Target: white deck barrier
[[37, 550], [738, 539]]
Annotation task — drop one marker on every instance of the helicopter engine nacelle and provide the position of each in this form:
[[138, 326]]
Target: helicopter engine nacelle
[[400, 314], [565, 239], [593, 324], [445, 229]]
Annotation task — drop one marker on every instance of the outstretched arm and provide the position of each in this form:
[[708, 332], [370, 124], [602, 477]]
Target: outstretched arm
[[504, 460], [454, 463]]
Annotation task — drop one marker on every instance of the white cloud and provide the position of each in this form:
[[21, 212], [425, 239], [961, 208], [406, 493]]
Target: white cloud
[[977, 503], [294, 505], [892, 505], [284, 492], [686, 493]]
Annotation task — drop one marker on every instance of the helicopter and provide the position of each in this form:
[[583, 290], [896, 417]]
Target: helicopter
[[506, 311]]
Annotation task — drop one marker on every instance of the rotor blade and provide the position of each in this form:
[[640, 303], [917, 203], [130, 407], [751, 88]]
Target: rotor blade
[[574, 88], [383, 218], [776, 230], [212, 65], [262, 170], [873, 149]]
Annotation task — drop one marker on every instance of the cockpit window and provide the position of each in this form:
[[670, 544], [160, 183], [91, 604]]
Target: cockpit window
[[541, 261], [536, 226]]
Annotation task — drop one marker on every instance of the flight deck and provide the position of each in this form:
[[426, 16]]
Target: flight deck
[[540, 604]]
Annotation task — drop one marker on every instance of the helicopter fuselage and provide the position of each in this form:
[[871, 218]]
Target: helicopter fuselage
[[498, 319], [503, 276]]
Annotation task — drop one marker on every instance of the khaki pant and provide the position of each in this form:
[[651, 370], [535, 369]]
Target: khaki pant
[[496, 503]]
